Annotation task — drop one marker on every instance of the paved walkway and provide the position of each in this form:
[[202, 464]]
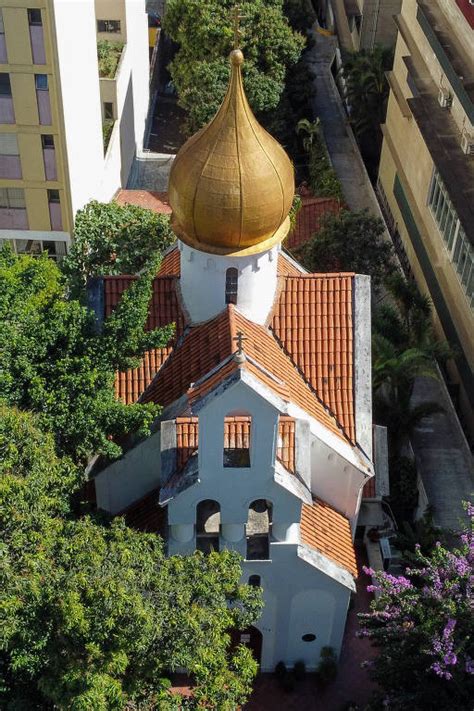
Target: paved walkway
[[343, 151], [443, 457]]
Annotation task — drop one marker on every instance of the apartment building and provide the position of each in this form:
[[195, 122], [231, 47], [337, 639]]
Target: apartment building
[[426, 178], [67, 135], [361, 24]]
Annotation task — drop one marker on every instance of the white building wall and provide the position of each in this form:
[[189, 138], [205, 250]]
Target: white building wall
[[137, 39], [75, 30], [204, 275]]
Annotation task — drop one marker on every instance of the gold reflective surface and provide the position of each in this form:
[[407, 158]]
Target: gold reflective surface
[[231, 185]]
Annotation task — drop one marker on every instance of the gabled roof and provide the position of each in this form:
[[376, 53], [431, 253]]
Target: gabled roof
[[312, 323], [329, 532], [146, 515], [150, 199], [208, 349]]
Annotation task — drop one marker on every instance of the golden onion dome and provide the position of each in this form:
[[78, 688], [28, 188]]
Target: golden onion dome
[[231, 185]]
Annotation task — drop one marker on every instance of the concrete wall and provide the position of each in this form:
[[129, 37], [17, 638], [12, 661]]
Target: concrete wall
[[205, 274]]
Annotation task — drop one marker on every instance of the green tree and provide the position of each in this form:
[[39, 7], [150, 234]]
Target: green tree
[[54, 362], [93, 615], [351, 242], [367, 93], [300, 13], [204, 32], [114, 239], [367, 88], [423, 628]]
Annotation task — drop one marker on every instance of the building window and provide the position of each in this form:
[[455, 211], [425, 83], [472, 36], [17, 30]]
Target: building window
[[47, 141], [41, 82], [231, 285], [34, 18], [255, 581], [49, 157], [108, 26], [237, 434], [12, 198], [258, 530], [54, 249], [3, 46], [108, 110], [55, 210], [455, 240], [208, 523], [12, 209], [10, 166], [5, 87]]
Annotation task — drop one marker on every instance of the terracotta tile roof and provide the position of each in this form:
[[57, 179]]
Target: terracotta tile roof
[[207, 345], [309, 218], [146, 515], [164, 309], [236, 434], [313, 322], [171, 263], [329, 532], [286, 266], [158, 202]]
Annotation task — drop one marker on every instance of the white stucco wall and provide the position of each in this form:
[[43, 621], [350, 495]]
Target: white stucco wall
[[80, 97], [130, 477], [203, 283]]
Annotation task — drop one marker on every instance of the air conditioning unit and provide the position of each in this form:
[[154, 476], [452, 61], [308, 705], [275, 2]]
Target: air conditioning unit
[[467, 144], [444, 98]]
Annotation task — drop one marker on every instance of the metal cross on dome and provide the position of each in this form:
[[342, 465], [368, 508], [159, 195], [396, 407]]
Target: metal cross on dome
[[237, 30]]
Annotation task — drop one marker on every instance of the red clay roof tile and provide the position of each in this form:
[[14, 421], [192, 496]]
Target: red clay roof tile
[[152, 200], [329, 532]]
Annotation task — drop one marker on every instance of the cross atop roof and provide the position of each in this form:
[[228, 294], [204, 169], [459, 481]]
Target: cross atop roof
[[237, 30], [239, 339]]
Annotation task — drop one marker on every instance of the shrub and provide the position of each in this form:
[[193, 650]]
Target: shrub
[[299, 670], [108, 55], [280, 670], [326, 671]]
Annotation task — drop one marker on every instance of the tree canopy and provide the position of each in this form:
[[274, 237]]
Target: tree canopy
[[93, 615], [114, 239], [351, 241], [54, 361], [204, 32], [423, 627]]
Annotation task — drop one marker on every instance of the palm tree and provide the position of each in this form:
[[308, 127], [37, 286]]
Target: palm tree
[[310, 131], [367, 87]]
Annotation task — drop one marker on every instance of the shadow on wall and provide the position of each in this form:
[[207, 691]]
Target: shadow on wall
[[127, 134]]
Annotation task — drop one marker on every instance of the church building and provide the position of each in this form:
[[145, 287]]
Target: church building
[[264, 444]]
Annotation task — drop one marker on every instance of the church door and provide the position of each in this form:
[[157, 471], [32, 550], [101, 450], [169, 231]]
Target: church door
[[252, 638]]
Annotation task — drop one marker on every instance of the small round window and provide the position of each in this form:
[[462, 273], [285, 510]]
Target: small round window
[[308, 637]]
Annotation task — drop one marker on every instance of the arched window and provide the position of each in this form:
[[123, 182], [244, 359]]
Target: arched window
[[258, 530], [255, 581], [231, 285], [237, 433], [208, 522]]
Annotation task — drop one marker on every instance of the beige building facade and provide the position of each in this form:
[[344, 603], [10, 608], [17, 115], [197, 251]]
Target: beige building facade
[[53, 106], [361, 24], [426, 175]]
